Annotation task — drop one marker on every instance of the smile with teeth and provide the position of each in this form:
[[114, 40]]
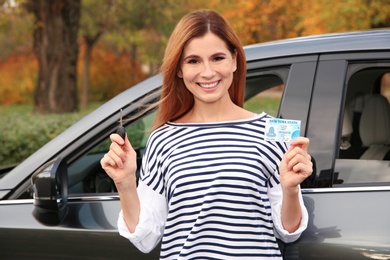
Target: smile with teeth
[[208, 85]]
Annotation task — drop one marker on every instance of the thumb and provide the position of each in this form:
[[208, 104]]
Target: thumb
[[126, 146]]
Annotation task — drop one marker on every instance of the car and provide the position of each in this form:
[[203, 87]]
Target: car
[[59, 203]]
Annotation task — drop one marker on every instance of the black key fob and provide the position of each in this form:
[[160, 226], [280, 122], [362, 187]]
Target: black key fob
[[121, 131]]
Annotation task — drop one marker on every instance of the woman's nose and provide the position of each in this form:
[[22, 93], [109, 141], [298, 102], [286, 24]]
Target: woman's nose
[[207, 70]]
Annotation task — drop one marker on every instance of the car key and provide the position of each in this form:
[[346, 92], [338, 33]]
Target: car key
[[121, 130]]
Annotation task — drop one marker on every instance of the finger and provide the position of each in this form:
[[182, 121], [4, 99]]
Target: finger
[[115, 138], [117, 158], [303, 169], [124, 144], [295, 160], [118, 150], [298, 155], [303, 160], [127, 145], [295, 151], [107, 162], [302, 142]]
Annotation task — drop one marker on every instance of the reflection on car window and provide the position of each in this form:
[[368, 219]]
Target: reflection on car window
[[364, 155]]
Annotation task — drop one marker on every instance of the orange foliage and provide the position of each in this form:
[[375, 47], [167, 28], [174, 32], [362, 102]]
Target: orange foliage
[[18, 74], [350, 15], [110, 73], [267, 20], [254, 20]]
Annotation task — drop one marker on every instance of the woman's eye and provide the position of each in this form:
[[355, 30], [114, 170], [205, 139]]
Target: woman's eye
[[192, 61], [219, 58]]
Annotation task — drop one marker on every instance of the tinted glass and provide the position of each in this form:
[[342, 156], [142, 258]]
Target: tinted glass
[[364, 153]]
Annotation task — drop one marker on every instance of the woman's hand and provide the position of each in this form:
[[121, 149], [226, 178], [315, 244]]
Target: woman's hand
[[296, 165], [120, 164], [120, 161]]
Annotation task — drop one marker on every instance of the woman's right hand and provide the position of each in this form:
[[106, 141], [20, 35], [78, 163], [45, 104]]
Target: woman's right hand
[[120, 162]]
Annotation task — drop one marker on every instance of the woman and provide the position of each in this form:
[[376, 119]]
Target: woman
[[211, 187]]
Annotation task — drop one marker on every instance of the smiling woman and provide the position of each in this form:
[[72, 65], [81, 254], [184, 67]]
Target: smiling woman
[[210, 185]]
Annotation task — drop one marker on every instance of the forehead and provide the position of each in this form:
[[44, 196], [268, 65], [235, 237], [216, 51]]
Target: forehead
[[209, 43]]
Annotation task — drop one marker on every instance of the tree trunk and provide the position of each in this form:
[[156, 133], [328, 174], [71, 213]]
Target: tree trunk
[[89, 44], [85, 87], [56, 48]]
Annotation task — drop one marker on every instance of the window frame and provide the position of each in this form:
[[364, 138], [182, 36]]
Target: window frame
[[329, 96]]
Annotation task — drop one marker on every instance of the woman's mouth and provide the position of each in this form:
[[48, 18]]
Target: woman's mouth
[[209, 85]]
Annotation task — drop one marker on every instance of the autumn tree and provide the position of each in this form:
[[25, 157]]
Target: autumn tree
[[56, 48], [96, 19], [268, 20], [325, 16], [138, 30]]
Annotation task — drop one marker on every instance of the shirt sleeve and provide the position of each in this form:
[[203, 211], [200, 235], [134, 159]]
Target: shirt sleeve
[[153, 202], [275, 196], [150, 228]]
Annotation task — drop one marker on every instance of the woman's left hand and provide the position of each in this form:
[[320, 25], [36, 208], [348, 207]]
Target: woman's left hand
[[296, 164]]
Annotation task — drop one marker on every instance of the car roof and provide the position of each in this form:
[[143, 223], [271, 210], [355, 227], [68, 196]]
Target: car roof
[[325, 43]]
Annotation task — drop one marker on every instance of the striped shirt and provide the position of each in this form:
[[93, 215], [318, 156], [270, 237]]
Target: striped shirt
[[210, 183]]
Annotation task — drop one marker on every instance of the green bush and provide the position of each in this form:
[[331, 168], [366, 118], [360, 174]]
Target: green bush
[[23, 132]]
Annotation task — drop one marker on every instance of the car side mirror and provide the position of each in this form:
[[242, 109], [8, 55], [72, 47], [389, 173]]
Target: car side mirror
[[50, 185]]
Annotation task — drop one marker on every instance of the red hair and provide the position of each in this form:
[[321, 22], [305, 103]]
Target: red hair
[[175, 99]]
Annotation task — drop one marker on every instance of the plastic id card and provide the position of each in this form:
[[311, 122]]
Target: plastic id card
[[281, 130]]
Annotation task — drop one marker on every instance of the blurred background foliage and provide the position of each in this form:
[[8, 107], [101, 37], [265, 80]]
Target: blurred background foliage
[[131, 35], [121, 42]]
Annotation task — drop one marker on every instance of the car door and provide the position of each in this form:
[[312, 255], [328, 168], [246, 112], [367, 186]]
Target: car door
[[88, 229], [296, 76], [348, 212]]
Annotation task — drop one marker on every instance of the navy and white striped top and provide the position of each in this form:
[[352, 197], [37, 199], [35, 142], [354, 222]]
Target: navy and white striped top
[[208, 186]]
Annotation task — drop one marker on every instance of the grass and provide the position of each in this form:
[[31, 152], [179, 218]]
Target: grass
[[266, 104], [25, 109]]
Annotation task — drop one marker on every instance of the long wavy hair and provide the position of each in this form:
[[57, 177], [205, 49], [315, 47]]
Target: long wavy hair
[[176, 100]]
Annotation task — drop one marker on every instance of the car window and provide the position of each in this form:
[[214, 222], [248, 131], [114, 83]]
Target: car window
[[364, 151], [263, 93], [86, 175], [267, 100], [264, 90]]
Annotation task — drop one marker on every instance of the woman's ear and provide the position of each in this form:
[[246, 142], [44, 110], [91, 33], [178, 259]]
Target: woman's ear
[[235, 60], [180, 74]]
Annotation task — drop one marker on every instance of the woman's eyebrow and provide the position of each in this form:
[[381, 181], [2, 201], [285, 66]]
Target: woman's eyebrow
[[191, 56], [194, 56]]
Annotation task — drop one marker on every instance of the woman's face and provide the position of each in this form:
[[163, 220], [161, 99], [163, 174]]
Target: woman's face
[[207, 68]]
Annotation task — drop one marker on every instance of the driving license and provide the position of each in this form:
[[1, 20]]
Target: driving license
[[281, 130]]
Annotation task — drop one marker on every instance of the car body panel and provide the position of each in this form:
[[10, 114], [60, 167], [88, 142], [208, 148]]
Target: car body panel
[[337, 223], [89, 233]]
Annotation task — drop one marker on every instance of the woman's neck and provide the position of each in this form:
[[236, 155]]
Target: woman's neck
[[215, 112]]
